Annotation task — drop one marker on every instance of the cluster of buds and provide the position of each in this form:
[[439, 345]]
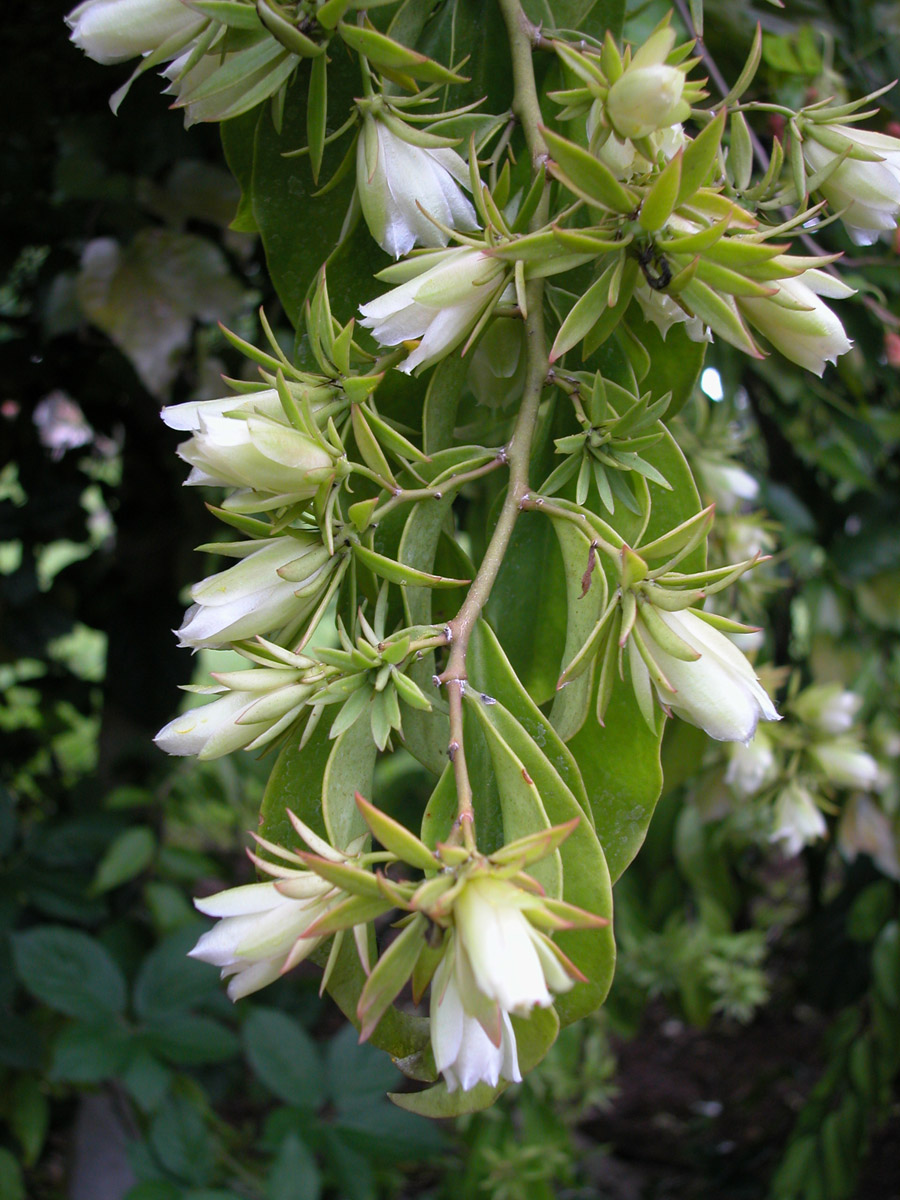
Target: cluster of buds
[[617, 426], [477, 929], [630, 96], [677, 652]]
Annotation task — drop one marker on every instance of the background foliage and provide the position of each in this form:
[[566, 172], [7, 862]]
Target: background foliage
[[729, 954]]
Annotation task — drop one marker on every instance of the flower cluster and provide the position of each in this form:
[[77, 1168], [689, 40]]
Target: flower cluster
[[495, 960]]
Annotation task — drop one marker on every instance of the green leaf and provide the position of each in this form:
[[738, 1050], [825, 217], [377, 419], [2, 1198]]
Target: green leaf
[[283, 204], [70, 972], [179, 1138], [349, 770], [12, 1183], [294, 1175], [491, 672], [587, 16], [187, 1040], [88, 1052], [284, 1056], [527, 605], [619, 763], [29, 1118], [318, 783], [583, 609], [534, 1037], [128, 855], [168, 981], [521, 805]]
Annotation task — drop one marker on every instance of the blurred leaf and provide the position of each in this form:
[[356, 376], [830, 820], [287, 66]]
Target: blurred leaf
[[188, 1040], [294, 1174], [146, 296], [88, 1052], [12, 1185], [29, 1117], [70, 972], [179, 1138], [169, 981], [284, 1057], [129, 855]]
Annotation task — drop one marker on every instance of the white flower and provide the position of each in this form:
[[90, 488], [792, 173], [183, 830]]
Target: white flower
[[256, 705], [798, 820], [828, 707], [260, 930], [844, 763], [463, 1052], [394, 177], [664, 312], [190, 416], [512, 963], [867, 191], [751, 767], [252, 598], [865, 829], [441, 299], [111, 31], [718, 691], [257, 454], [647, 96], [622, 157], [726, 482], [796, 321]]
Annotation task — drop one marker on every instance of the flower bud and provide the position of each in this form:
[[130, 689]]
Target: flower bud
[[259, 934], [242, 717], [797, 819], [111, 31], [259, 455], [865, 829], [647, 96], [751, 767], [867, 192], [718, 690], [440, 304], [645, 99], [796, 321], [828, 707], [394, 178], [251, 598], [844, 763]]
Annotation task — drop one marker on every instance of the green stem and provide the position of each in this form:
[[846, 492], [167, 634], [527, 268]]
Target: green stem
[[409, 495], [518, 451]]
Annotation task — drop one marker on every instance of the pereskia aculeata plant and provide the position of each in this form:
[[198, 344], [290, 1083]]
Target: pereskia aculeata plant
[[552, 257]]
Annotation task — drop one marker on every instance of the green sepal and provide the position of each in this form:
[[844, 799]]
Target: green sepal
[[396, 837], [699, 157], [586, 176], [394, 572], [355, 880], [387, 55], [660, 201], [286, 31], [355, 910], [390, 974]]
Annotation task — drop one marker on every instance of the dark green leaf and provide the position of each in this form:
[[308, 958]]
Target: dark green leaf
[[284, 1057], [179, 1138], [70, 972]]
